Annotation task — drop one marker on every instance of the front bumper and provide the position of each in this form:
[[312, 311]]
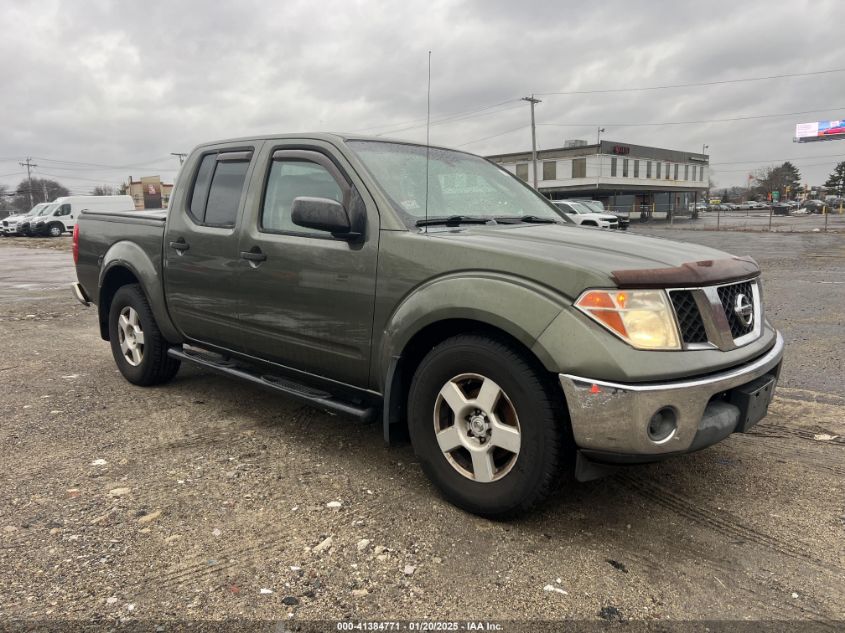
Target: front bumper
[[610, 420]]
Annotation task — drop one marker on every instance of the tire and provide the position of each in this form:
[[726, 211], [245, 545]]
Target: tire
[[55, 230], [505, 483], [138, 347]]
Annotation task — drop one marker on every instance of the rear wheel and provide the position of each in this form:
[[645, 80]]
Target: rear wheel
[[486, 426], [55, 230], [138, 347]]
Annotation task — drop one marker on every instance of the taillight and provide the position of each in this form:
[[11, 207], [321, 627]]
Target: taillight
[[76, 244]]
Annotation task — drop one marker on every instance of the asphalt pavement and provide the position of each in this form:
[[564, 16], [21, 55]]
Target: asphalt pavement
[[208, 498]]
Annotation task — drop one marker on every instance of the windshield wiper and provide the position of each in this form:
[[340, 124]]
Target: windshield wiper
[[533, 219], [454, 220]]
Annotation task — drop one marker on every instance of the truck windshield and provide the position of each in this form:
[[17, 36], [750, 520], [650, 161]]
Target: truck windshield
[[459, 184]]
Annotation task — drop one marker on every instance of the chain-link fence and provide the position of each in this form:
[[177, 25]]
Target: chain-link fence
[[723, 218]]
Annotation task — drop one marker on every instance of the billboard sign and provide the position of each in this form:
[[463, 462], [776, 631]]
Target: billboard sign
[[820, 131], [152, 192]]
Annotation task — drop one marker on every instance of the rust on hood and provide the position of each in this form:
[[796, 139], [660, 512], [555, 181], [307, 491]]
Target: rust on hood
[[703, 273]]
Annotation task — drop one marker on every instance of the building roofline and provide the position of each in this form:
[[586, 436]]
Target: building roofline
[[593, 149]]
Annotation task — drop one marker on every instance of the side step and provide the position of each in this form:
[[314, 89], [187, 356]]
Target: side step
[[308, 395]]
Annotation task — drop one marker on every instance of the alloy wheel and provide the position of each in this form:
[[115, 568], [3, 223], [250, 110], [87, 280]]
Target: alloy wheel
[[131, 336], [477, 427]]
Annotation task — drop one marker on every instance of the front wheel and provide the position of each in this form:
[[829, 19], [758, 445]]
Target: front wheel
[[487, 426], [55, 230], [138, 347]]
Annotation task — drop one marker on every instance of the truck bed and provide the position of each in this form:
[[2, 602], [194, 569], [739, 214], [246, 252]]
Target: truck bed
[[100, 231], [155, 216]]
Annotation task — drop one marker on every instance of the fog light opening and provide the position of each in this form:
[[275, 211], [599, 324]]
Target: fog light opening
[[662, 425]]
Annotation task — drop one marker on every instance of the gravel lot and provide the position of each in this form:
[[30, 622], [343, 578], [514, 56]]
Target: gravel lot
[[208, 498]]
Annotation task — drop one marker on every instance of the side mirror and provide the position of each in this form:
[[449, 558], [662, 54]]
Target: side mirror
[[323, 214]]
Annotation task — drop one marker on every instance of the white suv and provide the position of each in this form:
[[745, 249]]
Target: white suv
[[584, 216], [10, 224]]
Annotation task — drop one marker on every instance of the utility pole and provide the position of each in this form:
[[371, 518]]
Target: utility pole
[[533, 101], [29, 165]]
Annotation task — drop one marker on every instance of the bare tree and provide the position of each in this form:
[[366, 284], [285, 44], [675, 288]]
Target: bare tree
[[103, 190], [782, 178], [5, 201], [43, 190]]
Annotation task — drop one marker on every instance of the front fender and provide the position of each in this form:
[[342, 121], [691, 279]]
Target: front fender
[[132, 257], [517, 306]]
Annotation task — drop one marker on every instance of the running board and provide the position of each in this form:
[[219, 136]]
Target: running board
[[308, 395]]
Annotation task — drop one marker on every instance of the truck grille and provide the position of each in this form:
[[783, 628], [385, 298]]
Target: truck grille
[[712, 316], [728, 295], [689, 318]]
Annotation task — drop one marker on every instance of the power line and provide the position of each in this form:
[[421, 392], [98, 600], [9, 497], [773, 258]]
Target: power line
[[478, 140], [769, 160], [97, 180], [441, 117], [136, 165], [694, 84], [743, 169], [739, 118], [99, 169], [451, 119]]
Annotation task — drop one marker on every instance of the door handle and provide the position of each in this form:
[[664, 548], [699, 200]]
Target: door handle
[[253, 256], [180, 245]]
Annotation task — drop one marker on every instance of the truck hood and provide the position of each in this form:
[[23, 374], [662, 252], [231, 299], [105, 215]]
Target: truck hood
[[576, 258]]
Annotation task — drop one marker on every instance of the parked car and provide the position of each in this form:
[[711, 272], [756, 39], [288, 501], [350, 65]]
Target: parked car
[[61, 218], [597, 206], [583, 215], [835, 204], [10, 223], [26, 226], [350, 274], [813, 206]]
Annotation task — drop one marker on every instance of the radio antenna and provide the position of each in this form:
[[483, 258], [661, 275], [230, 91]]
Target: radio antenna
[[427, 137]]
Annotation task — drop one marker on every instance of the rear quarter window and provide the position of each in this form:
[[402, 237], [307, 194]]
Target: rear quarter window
[[224, 196], [217, 189]]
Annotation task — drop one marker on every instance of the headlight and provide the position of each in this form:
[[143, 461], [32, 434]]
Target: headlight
[[642, 318]]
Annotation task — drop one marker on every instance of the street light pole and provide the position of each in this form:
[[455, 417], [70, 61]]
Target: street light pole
[[598, 135], [533, 101]]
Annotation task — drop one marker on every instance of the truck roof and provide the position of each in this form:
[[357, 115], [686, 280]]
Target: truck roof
[[329, 137]]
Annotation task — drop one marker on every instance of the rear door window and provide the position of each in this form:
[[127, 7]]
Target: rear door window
[[218, 187]]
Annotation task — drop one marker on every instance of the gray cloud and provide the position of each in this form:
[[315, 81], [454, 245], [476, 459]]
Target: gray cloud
[[124, 85]]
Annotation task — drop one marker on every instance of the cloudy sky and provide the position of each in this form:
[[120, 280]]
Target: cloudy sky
[[96, 91]]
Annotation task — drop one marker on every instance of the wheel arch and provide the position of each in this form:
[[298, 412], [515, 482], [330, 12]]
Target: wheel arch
[[127, 263], [492, 306]]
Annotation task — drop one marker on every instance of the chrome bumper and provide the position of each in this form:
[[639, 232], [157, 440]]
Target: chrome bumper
[[79, 294], [610, 417]]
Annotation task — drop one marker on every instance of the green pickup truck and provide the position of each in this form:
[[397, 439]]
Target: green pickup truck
[[431, 290]]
